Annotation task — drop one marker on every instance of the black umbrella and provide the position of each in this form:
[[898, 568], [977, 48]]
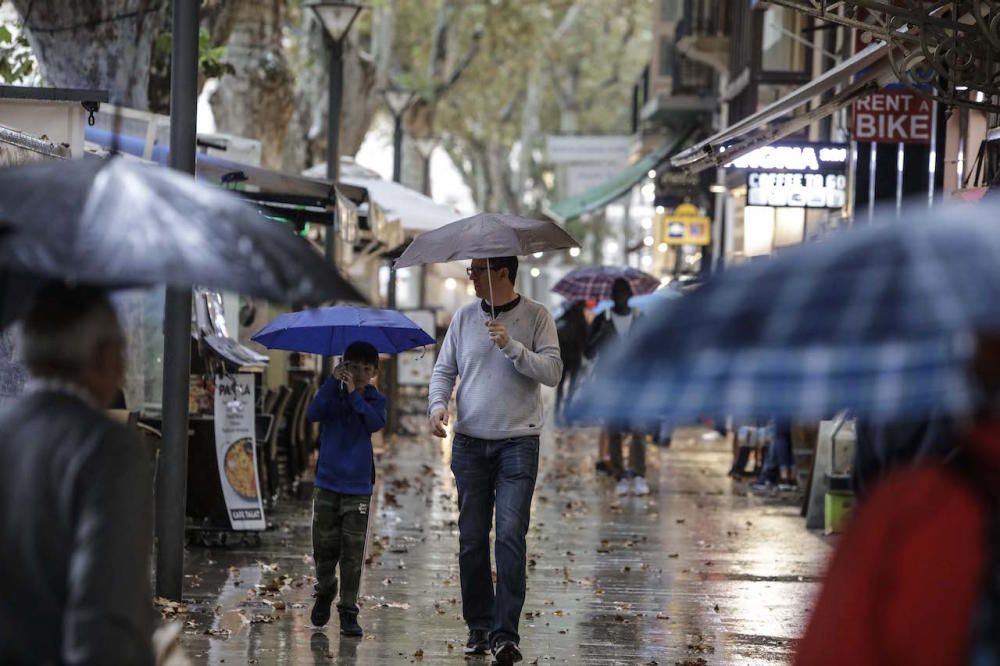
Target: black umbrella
[[119, 223]]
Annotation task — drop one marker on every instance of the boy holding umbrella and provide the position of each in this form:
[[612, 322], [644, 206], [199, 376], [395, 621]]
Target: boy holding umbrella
[[350, 410]]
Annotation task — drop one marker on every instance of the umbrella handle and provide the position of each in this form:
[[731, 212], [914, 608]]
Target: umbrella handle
[[489, 279]]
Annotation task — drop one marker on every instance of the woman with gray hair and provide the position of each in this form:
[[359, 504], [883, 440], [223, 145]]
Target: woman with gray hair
[[75, 496]]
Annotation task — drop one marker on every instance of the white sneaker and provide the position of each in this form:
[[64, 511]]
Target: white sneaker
[[624, 487], [641, 488]]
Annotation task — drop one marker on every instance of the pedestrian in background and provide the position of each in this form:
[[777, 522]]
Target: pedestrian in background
[[610, 327], [571, 329], [349, 410], [501, 363], [75, 496]]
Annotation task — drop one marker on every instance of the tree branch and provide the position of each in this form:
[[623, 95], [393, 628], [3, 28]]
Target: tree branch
[[463, 63]]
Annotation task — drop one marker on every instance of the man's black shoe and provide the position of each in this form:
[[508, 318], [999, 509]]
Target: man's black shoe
[[321, 611], [478, 643], [506, 653], [349, 623]]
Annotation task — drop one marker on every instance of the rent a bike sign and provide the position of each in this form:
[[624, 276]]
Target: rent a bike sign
[[892, 115]]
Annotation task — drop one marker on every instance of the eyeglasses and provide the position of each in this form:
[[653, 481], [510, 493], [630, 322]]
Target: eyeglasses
[[476, 270]]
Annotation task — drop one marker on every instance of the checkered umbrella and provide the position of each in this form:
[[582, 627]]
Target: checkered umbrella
[[879, 320], [594, 282]]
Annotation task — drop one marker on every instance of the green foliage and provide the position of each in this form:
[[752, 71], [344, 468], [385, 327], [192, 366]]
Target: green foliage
[[210, 57], [16, 60]]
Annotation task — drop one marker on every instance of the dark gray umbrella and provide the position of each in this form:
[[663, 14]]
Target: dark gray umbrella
[[118, 223], [483, 236]]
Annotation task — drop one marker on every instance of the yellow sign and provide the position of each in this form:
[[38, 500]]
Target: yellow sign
[[685, 226]]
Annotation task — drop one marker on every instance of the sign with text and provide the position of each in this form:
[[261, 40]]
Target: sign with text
[[796, 190], [892, 116], [803, 157], [685, 226], [236, 451]]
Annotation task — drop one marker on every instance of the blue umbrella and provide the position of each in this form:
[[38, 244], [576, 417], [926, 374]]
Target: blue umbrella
[[329, 331], [879, 320], [643, 302]]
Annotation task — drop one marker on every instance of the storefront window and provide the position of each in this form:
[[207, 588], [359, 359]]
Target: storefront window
[[758, 231]]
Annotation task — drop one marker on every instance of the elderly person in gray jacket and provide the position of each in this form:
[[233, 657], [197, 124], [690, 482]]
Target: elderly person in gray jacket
[[75, 497], [501, 363]]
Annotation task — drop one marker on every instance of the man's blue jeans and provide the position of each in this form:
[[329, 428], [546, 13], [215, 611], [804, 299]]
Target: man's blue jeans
[[488, 471]]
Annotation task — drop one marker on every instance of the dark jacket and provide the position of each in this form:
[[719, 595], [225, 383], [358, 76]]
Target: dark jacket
[[75, 536], [602, 332], [346, 464]]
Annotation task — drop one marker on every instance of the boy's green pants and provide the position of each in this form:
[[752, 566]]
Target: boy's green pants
[[340, 526]]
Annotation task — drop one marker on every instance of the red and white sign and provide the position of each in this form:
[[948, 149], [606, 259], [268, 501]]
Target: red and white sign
[[892, 116]]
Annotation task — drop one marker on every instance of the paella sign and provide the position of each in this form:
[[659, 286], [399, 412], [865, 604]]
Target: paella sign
[[236, 451]]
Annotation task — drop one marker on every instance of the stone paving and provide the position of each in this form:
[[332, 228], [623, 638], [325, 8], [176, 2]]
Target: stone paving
[[700, 572]]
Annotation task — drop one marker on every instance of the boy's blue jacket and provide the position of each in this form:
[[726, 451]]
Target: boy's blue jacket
[[346, 464]]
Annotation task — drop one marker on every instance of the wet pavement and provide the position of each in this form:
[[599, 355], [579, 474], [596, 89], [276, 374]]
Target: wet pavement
[[700, 572]]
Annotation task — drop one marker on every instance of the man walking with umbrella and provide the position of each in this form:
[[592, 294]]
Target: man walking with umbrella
[[502, 348]]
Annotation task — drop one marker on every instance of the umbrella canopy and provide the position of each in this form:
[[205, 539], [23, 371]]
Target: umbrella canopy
[[119, 223], [594, 282], [483, 236], [329, 331], [877, 320], [643, 302]]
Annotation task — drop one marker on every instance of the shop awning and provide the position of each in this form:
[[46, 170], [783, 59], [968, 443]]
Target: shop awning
[[863, 73], [599, 197], [415, 211]]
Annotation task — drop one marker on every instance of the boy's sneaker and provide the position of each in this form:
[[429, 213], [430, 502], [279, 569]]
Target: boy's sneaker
[[478, 643], [506, 653], [640, 487], [785, 486], [761, 486], [321, 611], [624, 487]]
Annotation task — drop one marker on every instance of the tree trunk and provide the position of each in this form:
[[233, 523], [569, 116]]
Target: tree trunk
[[217, 18], [257, 101], [102, 45], [305, 143]]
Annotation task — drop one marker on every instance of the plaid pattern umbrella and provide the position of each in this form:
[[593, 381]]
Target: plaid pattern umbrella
[[878, 320], [594, 282]]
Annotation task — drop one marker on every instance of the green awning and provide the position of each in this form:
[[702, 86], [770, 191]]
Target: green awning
[[599, 197]]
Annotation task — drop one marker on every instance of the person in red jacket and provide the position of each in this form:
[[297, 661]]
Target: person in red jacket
[[910, 580]]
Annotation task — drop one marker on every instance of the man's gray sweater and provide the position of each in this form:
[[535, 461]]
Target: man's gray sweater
[[498, 394]]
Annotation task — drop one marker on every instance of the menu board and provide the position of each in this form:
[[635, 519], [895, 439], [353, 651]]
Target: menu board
[[236, 451]]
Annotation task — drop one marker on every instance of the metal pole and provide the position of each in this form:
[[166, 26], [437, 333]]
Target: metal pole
[[900, 156], [397, 148], [391, 374], [392, 370], [333, 155], [872, 165], [932, 155], [171, 477]]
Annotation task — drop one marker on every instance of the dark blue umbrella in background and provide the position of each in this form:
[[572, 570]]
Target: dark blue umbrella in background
[[879, 320], [329, 331]]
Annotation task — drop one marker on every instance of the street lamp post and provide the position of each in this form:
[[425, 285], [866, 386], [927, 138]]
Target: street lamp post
[[398, 100], [426, 146], [336, 19]]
